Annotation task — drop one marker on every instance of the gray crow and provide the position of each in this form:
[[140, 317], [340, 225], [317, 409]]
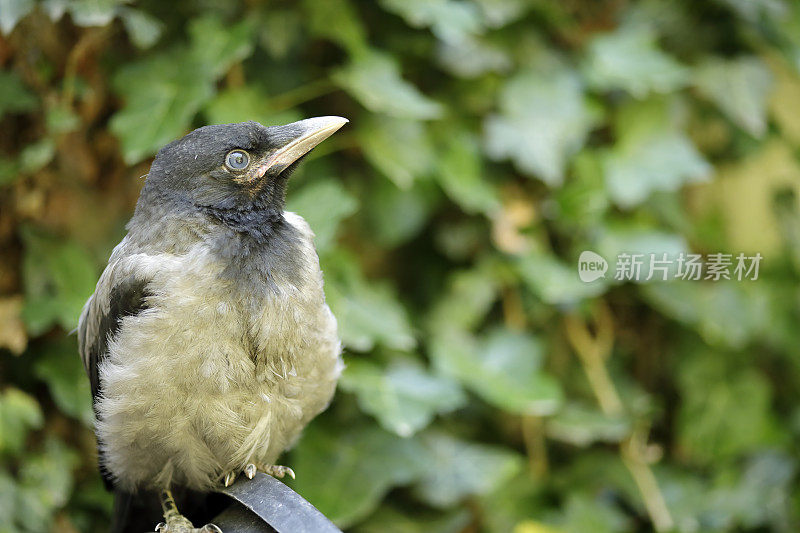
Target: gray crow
[[208, 342]]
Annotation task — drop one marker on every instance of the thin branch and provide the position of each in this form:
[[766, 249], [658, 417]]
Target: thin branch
[[535, 445], [593, 351]]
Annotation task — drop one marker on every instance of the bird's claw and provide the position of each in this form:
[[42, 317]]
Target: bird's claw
[[230, 477], [250, 471], [279, 471], [161, 527], [211, 528]]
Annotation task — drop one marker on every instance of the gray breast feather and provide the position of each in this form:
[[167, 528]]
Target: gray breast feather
[[196, 372]]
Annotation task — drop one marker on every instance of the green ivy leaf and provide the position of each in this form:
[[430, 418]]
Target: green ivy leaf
[[651, 154], [662, 162], [726, 314], [8, 504], [586, 513], [162, 94], [583, 202], [401, 149], [144, 29], [543, 121], [216, 45], [498, 13], [331, 458], [466, 301], [9, 171], [462, 469], [556, 283], [11, 12], [373, 78], [629, 59], [164, 91], [324, 204], [338, 21], [389, 519], [619, 239], [449, 20], [725, 412], [94, 12], [461, 176], [740, 87], [504, 369], [19, 413], [517, 500], [240, 104], [763, 494], [36, 156], [397, 215], [45, 484], [581, 425], [61, 119], [471, 57], [58, 277], [404, 397], [281, 31], [60, 367], [753, 10], [368, 312], [14, 96]]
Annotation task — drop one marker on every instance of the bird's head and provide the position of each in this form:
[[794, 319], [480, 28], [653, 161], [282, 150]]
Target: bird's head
[[242, 166]]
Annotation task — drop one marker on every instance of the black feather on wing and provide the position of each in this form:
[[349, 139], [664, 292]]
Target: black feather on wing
[[128, 297]]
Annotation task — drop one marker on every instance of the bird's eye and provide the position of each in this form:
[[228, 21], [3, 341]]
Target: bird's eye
[[237, 160]]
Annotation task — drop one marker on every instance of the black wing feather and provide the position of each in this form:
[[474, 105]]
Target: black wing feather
[[127, 298]]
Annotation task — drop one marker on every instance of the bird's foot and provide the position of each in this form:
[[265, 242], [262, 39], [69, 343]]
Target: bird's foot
[[250, 470], [175, 522], [185, 526], [277, 471]]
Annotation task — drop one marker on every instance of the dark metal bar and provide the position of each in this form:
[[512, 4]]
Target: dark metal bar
[[266, 500]]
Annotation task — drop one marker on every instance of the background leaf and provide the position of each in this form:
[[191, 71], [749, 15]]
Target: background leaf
[[399, 148], [20, 414], [629, 59], [739, 87], [650, 155], [11, 11], [367, 313], [171, 88], [374, 80], [404, 397], [334, 458], [450, 20], [323, 204], [59, 278], [544, 119], [14, 96], [464, 469], [505, 370]]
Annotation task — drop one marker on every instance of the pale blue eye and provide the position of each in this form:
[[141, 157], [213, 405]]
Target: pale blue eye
[[237, 160]]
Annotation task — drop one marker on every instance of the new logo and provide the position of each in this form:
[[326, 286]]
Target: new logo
[[591, 266]]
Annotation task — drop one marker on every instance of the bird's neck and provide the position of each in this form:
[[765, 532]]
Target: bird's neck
[[259, 223]]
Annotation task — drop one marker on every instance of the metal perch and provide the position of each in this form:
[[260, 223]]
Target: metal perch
[[264, 504]]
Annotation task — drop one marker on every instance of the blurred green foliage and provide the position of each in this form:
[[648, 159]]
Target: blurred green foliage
[[491, 141]]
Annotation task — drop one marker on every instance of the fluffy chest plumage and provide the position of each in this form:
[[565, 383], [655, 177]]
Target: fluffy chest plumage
[[217, 372]]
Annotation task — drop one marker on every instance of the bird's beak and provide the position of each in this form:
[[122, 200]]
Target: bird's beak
[[297, 139]]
